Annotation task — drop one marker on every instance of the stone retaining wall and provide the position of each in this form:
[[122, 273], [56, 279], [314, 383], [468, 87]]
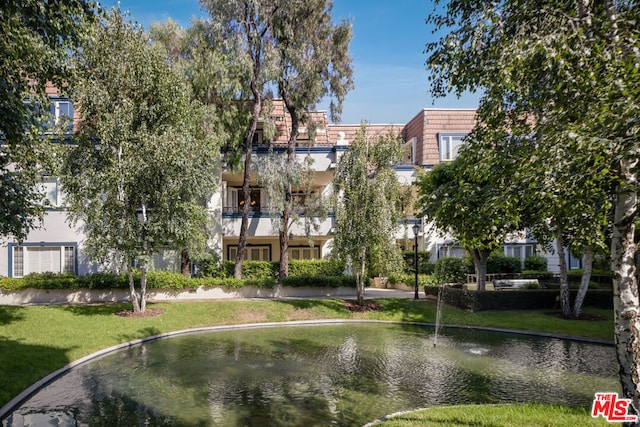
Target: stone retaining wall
[[86, 296]]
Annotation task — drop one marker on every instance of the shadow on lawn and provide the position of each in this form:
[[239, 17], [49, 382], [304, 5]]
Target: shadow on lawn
[[96, 309], [23, 364], [10, 314]]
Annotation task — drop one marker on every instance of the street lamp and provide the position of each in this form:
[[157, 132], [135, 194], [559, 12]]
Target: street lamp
[[416, 230]]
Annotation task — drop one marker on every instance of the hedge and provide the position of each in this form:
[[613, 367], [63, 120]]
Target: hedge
[[320, 281], [155, 280], [533, 299]]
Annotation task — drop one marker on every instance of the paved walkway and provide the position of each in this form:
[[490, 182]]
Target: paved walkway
[[389, 293]]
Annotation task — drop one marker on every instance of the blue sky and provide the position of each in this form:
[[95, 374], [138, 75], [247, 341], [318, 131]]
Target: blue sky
[[387, 50]]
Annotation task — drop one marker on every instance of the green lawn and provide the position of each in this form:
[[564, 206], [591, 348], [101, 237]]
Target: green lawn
[[524, 415], [37, 340]]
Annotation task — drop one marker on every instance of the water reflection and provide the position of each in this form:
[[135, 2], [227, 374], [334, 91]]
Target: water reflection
[[339, 375]]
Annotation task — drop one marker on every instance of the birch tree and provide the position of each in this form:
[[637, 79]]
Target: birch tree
[[571, 67], [367, 205], [142, 163]]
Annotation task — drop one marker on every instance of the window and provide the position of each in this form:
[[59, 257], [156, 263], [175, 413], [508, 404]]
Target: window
[[575, 262], [451, 250], [235, 200], [449, 145], [253, 253], [304, 252], [40, 258], [410, 152], [61, 110], [53, 196], [521, 251]]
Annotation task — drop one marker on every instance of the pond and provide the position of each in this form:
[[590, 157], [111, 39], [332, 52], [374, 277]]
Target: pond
[[316, 375]]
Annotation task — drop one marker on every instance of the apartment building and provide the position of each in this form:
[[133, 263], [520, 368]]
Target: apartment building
[[431, 136]]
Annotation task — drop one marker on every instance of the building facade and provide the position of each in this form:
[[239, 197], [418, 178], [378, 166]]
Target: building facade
[[431, 136]]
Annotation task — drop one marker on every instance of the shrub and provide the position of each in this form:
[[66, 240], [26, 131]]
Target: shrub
[[316, 267], [409, 279], [169, 280], [321, 281], [499, 263], [208, 265], [424, 265], [535, 274], [251, 269], [451, 270], [109, 280], [535, 262]]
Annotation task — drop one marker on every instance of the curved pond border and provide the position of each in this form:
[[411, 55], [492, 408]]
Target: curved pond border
[[14, 403]]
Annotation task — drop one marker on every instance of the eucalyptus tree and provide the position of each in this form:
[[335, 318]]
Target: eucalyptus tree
[[313, 62], [142, 160], [215, 79], [368, 211], [37, 41], [246, 26], [572, 68], [472, 205]]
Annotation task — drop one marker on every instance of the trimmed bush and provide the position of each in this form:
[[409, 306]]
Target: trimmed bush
[[251, 269], [535, 262], [535, 274], [451, 270], [319, 267], [534, 299], [320, 281], [499, 263], [409, 279]]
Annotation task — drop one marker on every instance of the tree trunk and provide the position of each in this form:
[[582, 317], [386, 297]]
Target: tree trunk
[[565, 303], [185, 263], [360, 278], [480, 257], [143, 287], [625, 285], [132, 290], [584, 282], [288, 204], [246, 181]]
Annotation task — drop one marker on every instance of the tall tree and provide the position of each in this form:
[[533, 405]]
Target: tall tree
[[215, 78], [247, 26], [573, 68], [313, 62], [367, 205], [37, 39], [142, 164]]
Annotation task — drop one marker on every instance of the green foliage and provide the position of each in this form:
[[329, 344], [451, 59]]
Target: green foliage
[[537, 274], [500, 263], [410, 279], [535, 262], [209, 264], [320, 281], [451, 270], [316, 268], [37, 42], [367, 209], [142, 164], [424, 265]]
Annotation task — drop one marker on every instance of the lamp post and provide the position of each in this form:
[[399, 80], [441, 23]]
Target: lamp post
[[416, 230]]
